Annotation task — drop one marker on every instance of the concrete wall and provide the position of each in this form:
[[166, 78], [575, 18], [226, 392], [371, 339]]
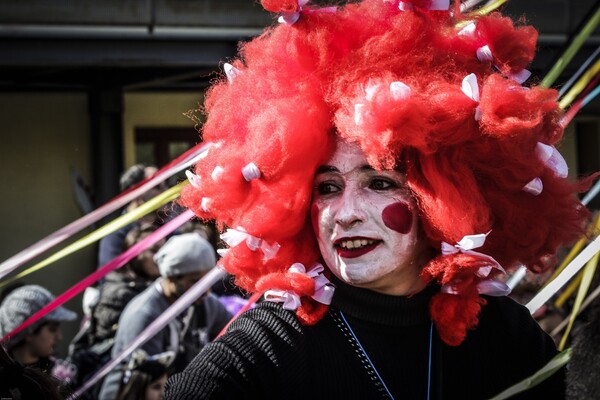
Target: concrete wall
[[43, 136]]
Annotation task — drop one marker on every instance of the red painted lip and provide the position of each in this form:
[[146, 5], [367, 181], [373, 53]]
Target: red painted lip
[[354, 253]]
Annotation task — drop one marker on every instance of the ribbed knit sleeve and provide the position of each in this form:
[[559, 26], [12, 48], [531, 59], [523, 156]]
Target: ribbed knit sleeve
[[261, 350]]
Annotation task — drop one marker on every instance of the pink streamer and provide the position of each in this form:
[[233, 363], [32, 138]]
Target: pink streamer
[[112, 265], [117, 202], [189, 297], [251, 301]]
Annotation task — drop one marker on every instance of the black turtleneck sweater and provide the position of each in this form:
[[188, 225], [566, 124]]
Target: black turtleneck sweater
[[267, 353]]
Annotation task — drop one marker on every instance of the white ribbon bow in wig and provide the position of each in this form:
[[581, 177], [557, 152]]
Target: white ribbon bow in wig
[[193, 178], [290, 299], [398, 90], [484, 54], [470, 88], [292, 18], [553, 160], [231, 72], [234, 237], [466, 246], [250, 171]]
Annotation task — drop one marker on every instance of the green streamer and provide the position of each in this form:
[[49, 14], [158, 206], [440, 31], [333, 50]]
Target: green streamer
[[560, 360], [573, 48]]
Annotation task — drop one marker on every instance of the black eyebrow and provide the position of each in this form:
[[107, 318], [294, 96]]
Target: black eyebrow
[[328, 168], [325, 168]]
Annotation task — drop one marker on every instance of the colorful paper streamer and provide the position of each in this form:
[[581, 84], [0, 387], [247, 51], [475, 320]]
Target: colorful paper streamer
[[184, 161], [488, 8], [578, 73], [117, 262], [593, 296], [554, 286], [571, 50], [586, 281], [580, 86], [560, 360], [125, 219], [181, 304]]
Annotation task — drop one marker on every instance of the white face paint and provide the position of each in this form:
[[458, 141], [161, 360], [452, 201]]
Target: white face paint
[[366, 224]]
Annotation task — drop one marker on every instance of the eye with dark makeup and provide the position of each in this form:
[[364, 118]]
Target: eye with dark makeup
[[326, 187], [382, 184]]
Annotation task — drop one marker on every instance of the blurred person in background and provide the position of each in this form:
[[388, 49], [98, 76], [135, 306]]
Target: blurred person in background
[[145, 376], [182, 261], [35, 345], [112, 244], [91, 348], [24, 382]]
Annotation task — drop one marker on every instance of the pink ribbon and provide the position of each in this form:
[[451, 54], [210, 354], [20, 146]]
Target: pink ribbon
[[434, 5], [112, 265], [291, 300], [184, 161]]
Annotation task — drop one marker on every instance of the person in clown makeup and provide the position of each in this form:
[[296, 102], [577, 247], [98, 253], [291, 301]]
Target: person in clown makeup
[[377, 166], [366, 224]]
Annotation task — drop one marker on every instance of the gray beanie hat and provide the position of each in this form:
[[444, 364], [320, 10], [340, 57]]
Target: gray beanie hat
[[185, 253], [21, 304]]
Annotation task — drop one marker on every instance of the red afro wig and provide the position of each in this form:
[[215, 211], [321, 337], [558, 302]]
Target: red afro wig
[[405, 83]]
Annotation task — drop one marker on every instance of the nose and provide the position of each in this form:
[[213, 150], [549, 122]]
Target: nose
[[350, 209]]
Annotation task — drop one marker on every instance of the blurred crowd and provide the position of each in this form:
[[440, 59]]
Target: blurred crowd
[[116, 311], [130, 298]]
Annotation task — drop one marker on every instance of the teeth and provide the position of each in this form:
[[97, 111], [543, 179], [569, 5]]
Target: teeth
[[355, 244]]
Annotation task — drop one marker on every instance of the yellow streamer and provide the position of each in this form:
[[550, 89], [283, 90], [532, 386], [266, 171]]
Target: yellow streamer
[[592, 231], [488, 8], [559, 361], [125, 219], [588, 275], [564, 296], [572, 253], [573, 48], [582, 82]]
